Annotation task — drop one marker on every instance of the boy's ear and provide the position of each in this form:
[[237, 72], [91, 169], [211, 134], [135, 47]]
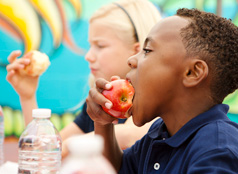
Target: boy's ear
[[196, 72]]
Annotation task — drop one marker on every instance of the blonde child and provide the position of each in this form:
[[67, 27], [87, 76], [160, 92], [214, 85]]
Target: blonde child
[[116, 31]]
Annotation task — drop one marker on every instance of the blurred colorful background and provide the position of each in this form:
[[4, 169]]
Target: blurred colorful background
[[59, 28]]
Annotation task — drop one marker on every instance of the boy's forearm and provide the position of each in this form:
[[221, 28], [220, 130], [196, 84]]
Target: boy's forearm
[[28, 104], [112, 151]]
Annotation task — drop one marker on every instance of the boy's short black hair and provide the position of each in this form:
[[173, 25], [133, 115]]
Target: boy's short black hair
[[215, 40]]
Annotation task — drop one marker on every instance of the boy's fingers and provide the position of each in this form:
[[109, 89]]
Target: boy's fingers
[[12, 57], [102, 84], [98, 98], [97, 114]]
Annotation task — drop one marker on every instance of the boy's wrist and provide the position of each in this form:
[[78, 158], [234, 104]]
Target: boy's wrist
[[103, 129], [103, 126]]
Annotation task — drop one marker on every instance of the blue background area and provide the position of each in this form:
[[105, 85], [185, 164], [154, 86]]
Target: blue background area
[[65, 84]]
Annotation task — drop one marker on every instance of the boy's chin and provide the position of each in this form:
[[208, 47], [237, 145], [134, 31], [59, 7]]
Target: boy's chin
[[138, 122]]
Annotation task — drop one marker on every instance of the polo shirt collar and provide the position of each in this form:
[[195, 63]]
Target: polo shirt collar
[[218, 112]]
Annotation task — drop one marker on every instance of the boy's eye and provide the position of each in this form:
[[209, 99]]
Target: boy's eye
[[146, 51]]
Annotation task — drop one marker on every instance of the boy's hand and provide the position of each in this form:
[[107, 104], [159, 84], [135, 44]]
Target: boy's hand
[[96, 100], [24, 85]]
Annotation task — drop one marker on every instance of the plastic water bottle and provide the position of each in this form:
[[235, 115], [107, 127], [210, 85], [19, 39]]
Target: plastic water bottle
[[1, 136], [86, 156], [40, 146]]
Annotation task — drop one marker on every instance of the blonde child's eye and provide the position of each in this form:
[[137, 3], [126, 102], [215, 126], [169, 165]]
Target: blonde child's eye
[[99, 46]]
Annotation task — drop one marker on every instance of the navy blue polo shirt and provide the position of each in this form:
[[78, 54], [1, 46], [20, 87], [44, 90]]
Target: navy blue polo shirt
[[206, 144]]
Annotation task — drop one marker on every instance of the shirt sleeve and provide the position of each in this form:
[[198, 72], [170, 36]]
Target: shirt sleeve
[[83, 121], [217, 161]]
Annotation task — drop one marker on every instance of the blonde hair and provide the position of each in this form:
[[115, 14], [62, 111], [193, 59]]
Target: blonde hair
[[142, 12]]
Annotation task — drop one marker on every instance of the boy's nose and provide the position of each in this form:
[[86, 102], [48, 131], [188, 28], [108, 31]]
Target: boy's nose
[[132, 62]]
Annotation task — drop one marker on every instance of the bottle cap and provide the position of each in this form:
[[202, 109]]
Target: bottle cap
[[41, 113], [85, 145]]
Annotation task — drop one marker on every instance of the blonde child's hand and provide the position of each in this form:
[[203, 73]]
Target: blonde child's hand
[[96, 100], [24, 85]]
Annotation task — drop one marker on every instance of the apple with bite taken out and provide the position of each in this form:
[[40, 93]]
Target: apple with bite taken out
[[120, 95]]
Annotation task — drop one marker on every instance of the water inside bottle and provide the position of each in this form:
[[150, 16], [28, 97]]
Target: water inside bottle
[[39, 154]]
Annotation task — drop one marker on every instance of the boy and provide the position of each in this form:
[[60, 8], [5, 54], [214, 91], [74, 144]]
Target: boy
[[189, 64]]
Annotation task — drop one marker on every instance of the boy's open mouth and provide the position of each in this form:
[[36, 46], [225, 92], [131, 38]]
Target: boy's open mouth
[[129, 111]]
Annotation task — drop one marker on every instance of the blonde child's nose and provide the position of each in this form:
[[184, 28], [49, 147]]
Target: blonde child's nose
[[89, 56]]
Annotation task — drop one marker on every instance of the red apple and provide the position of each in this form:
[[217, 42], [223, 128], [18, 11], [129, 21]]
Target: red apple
[[120, 95]]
